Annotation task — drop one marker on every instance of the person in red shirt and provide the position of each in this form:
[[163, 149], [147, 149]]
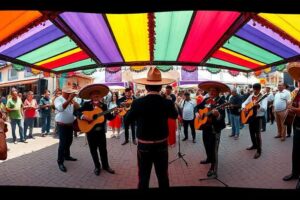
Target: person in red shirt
[[30, 106]]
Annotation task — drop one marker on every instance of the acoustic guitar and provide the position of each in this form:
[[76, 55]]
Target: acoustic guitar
[[98, 118], [290, 116], [204, 114], [245, 115], [126, 107]]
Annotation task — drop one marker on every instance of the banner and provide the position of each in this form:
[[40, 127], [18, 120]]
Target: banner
[[189, 76], [113, 77]]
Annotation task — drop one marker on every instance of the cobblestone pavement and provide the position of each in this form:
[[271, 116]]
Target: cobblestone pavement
[[34, 163]]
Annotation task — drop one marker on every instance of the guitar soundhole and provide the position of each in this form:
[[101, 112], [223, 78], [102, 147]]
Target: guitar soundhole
[[94, 117]]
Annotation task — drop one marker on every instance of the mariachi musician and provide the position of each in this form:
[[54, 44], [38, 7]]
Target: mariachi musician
[[293, 70], [128, 97], [96, 136], [255, 122], [215, 123]]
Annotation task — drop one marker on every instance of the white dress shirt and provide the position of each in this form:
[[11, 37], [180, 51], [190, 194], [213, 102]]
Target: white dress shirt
[[64, 116], [188, 110], [281, 99], [263, 105]]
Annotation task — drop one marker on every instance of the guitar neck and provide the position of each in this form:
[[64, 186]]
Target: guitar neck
[[105, 112], [220, 106]]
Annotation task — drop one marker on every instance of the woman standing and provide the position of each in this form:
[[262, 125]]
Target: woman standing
[[115, 124], [30, 106]]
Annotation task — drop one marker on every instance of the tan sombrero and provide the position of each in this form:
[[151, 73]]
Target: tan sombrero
[[154, 78], [207, 85], [293, 69], [85, 92]]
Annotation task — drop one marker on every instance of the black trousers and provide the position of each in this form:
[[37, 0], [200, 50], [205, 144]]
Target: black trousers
[[147, 155], [65, 134], [254, 128], [186, 124], [97, 140], [289, 130], [211, 142], [263, 122], [132, 126], [270, 115], [296, 152]]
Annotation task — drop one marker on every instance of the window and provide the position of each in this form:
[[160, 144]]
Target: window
[[12, 74]]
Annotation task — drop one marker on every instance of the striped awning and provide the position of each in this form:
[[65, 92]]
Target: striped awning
[[71, 41]]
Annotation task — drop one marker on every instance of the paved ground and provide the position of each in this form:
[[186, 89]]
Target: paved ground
[[34, 164]]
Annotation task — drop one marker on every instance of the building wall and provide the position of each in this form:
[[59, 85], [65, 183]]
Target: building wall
[[22, 75]]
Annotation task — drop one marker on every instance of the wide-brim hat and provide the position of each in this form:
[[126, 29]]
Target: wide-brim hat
[[154, 78], [85, 92], [293, 69], [207, 85]]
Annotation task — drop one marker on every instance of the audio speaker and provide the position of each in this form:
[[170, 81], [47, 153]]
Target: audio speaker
[[42, 86], [287, 79]]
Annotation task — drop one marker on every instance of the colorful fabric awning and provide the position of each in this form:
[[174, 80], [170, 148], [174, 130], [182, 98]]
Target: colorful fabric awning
[[71, 41]]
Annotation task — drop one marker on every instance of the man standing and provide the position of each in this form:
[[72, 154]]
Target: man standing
[[96, 137], [151, 113], [270, 100], [128, 97], [215, 123], [255, 121], [64, 119], [235, 113], [293, 69], [281, 99], [14, 108], [188, 116], [45, 109]]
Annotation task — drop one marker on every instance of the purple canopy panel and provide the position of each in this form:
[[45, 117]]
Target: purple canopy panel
[[26, 35], [45, 36], [189, 76], [274, 35], [93, 31], [255, 36]]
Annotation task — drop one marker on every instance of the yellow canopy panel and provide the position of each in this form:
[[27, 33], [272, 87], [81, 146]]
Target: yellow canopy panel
[[131, 33], [289, 23]]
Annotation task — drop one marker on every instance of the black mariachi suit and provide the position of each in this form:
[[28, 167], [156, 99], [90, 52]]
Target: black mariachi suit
[[126, 126], [96, 137], [151, 113], [212, 132]]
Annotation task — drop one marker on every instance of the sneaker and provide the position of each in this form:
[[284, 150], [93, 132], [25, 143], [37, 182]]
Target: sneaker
[[236, 137], [15, 142], [184, 139], [231, 135], [43, 135]]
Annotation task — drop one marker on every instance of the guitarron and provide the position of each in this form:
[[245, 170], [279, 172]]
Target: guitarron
[[290, 116], [245, 115]]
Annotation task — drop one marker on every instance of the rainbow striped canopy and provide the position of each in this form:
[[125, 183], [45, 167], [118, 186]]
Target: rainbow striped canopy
[[70, 41]]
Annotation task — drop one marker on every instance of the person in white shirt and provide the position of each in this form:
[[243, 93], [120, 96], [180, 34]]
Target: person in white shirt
[[281, 99], [255, 122], [270, 99], [188, 116], [64, 119]]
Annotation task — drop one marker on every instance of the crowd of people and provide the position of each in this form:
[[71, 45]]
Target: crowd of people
[[153, 115]]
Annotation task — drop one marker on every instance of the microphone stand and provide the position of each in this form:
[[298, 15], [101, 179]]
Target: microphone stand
[[179, 154]]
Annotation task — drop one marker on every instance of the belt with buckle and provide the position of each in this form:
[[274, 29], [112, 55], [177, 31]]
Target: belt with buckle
[[151, 141]]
